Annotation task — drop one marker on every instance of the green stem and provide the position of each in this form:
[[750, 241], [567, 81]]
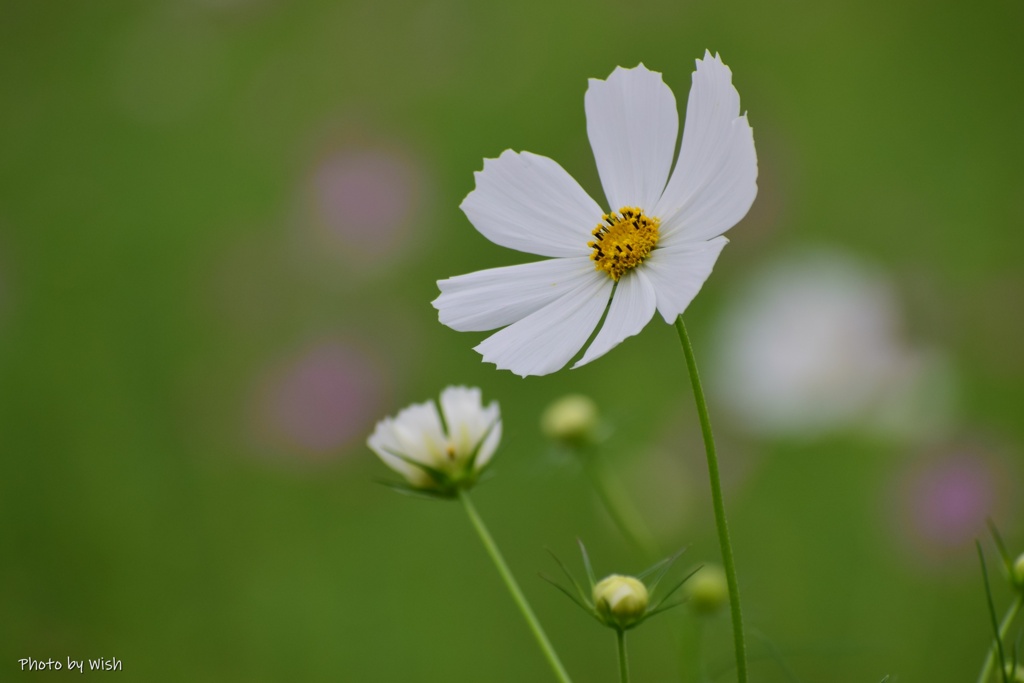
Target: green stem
[[700, 660], [623, 659], [618, 505], [716, 499], [513, 588], [1004, 627]]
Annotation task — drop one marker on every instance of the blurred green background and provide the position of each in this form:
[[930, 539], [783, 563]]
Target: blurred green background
[[221, 222]]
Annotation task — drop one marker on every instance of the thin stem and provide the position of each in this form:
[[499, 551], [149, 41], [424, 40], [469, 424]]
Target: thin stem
[[700, 660], [513, 588], [623, 658], [1004, 627], [618, 505], [716, 499]]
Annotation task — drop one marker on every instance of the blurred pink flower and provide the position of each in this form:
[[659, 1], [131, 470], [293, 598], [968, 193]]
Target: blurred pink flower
[[950, 500], [321, 400], [945, 498], [366, 200]]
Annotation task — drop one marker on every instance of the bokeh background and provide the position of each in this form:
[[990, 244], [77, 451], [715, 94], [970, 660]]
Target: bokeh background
[[221, 222]]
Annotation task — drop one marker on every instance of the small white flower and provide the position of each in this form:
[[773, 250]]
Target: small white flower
[[440, 456], [653, 249]]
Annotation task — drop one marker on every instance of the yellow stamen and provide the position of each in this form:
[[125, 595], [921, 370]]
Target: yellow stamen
[[623, 240]]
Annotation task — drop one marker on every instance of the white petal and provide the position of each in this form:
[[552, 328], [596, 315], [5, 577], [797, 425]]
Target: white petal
[[491, 442], [632, 123], [488, 299], [420, 435], [632, 308], [546, 340], [677, 273], [529, 203], [715, 179], [465, 418], [385, 444]]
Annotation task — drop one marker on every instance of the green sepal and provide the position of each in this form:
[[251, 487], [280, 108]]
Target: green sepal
[[414, 492], [565, 591], [579, 589], [676, 587], [439, 477], [658, 610], [586, 563], [666, 564], [471, 461]]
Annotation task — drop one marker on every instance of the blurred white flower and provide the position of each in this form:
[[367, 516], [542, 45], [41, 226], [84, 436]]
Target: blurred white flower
[[813, 344], [573, 419], [440, 456], [652, 251]]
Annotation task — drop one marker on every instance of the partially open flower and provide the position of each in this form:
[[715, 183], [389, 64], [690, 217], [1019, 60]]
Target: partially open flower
[[440, 457], [572, 419], [621, 599]]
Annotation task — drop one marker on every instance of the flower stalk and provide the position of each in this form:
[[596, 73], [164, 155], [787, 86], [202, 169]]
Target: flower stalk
[[513, 588], [618, 505], [1004, 628], [721, 524], [623, 658]]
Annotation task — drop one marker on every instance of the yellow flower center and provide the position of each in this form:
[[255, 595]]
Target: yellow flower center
[[623, 240]]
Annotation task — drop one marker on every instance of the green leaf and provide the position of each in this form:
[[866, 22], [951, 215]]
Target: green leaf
[[1007, 560], [992, 613]]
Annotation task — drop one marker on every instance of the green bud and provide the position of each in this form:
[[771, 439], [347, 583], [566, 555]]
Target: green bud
[[1018, 571], [1015, 675], [620, 600], [708, 590], [572, 419]]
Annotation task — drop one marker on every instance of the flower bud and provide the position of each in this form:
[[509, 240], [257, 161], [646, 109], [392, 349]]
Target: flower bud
[[572, 419], [620, 600], [1015, 675], [1018, 571], [708, 590]]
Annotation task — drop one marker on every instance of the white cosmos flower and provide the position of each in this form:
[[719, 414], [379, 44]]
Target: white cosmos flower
[[435, 455], [653, 249]]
